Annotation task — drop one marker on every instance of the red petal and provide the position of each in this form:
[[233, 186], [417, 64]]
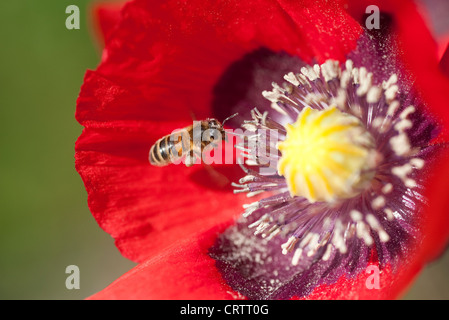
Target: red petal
[[184, 271], [175, 64], [106, 16], [444, 63], [436, 226], [423, 64], [144, 208], [391, 285]]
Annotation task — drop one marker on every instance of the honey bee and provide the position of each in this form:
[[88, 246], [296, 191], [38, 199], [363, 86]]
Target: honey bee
[[189, 142]]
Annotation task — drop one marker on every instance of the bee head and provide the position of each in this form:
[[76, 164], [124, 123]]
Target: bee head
[[217, 127], [216, 131], [214, 124]]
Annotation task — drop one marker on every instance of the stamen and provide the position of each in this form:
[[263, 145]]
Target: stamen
[[378, 203], [289, 245], [387, 188], [296, 256], [400, 144], [344, 162]]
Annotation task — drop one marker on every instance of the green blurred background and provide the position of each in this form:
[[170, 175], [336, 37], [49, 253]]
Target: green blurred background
[[45, 224]]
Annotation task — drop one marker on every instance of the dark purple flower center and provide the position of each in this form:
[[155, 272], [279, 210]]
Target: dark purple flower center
[[298, 245], [240, 87]]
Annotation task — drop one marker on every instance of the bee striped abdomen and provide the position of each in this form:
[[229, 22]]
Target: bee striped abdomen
[[163, 152]]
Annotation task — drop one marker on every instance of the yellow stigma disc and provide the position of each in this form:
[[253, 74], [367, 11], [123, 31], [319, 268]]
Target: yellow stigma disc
[[327, 155]]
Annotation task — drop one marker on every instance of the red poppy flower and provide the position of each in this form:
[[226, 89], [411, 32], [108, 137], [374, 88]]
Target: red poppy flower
[[164, 62]]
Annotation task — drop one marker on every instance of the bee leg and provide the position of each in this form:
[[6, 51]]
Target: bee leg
[[191, 159]]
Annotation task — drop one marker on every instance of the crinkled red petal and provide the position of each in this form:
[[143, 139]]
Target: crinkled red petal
[[391, 285], [184, 271], [174, 52], [144, 208], [106, 16], [444, 63], [436, 224]]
